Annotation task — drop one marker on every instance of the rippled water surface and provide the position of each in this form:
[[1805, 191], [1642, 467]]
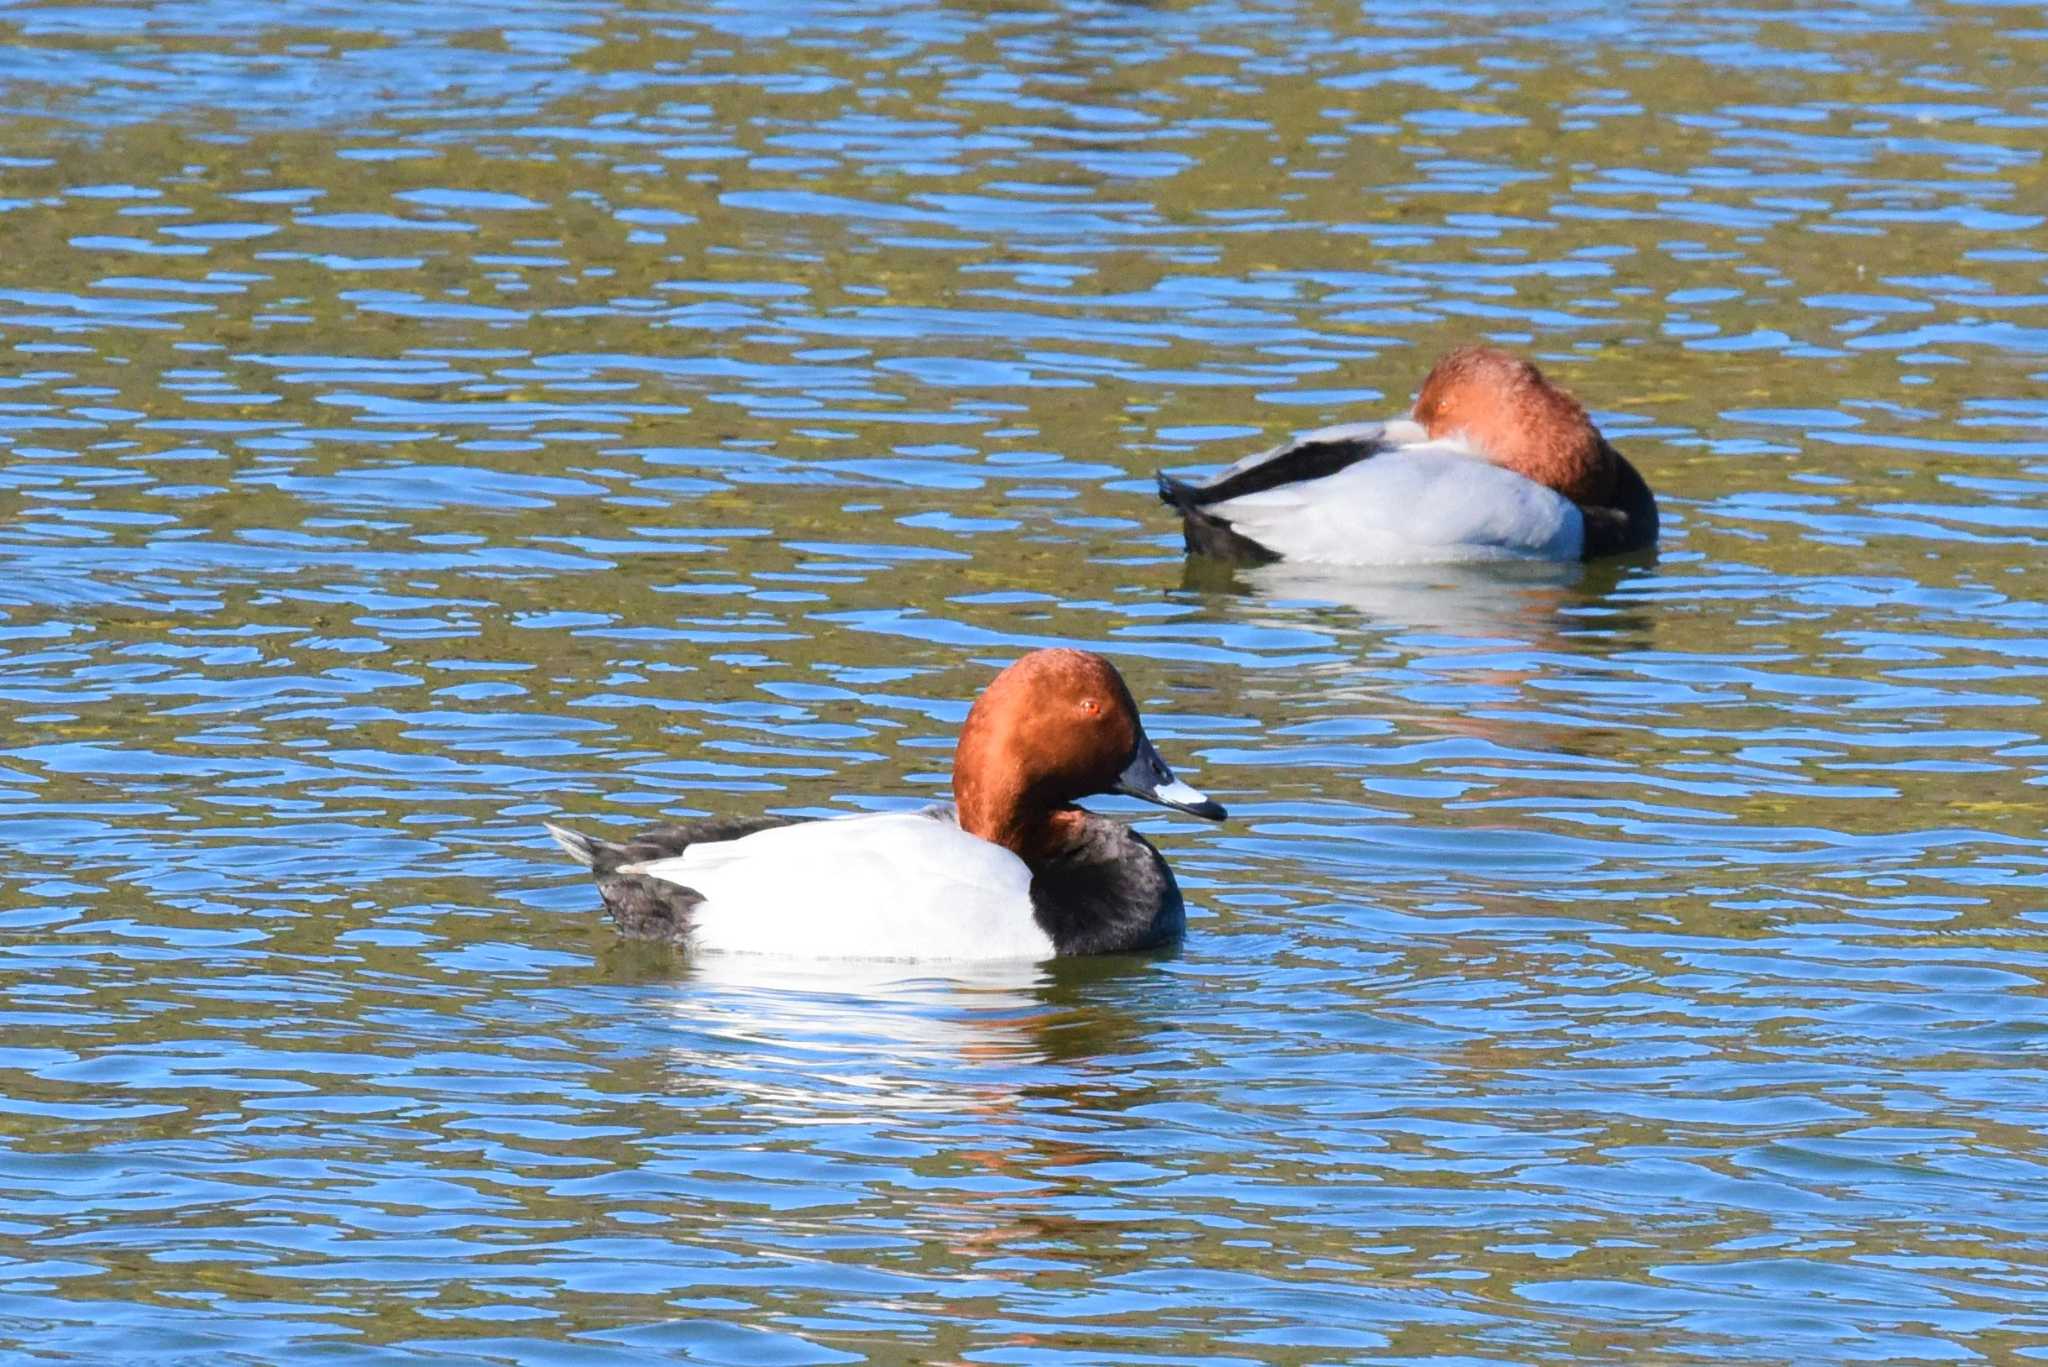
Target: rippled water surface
[[422, 419]]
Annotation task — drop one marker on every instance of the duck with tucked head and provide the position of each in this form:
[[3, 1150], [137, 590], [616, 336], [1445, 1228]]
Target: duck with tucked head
[[1494, 463], [1011, 869]]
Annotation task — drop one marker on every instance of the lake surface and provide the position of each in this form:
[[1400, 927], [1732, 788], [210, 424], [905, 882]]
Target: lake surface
[[420, 420]]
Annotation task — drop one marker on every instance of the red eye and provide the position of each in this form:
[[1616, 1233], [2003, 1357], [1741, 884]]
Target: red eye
[[1090, 706]]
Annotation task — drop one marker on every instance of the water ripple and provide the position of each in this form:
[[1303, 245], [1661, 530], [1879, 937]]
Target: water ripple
[[430, 419]]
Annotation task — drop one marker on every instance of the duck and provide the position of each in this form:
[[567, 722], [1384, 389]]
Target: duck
[[1011, 869], [1494, 462]]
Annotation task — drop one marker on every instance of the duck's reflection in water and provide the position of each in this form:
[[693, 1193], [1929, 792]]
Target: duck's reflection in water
[[1402, 634], [960, 1106], [1533, 603], [903, 1036], [899, 1017]]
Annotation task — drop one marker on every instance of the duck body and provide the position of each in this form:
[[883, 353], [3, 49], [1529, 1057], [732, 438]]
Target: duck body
[[884, 885], [1376, 494], [1494, 463], [1010, 870]]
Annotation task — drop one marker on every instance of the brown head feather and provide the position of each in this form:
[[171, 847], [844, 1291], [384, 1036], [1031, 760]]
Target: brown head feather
[[1504, 406], [1055, 726]]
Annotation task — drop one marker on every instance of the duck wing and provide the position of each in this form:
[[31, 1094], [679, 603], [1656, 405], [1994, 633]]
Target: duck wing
[[1416, 506], [1208, 530]]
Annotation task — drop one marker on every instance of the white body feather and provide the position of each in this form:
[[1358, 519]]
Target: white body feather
[[1424, 501], [890, 885]]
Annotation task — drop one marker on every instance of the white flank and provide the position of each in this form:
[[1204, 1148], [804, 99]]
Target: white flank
[[1430, 502], [892, 885]]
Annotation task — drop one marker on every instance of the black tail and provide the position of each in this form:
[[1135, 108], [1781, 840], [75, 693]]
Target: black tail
[[650, 908], [585, 850], [645, 908], [1203, 532], [1176, 493], [605, 857]]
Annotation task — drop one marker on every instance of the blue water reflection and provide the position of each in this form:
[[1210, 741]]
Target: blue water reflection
[[424, 420]]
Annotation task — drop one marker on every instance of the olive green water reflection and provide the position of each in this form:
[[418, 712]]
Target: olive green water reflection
[[424, 419]]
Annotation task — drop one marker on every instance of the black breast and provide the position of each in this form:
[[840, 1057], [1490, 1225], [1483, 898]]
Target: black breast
[[1627, 521], [1108, 893]]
